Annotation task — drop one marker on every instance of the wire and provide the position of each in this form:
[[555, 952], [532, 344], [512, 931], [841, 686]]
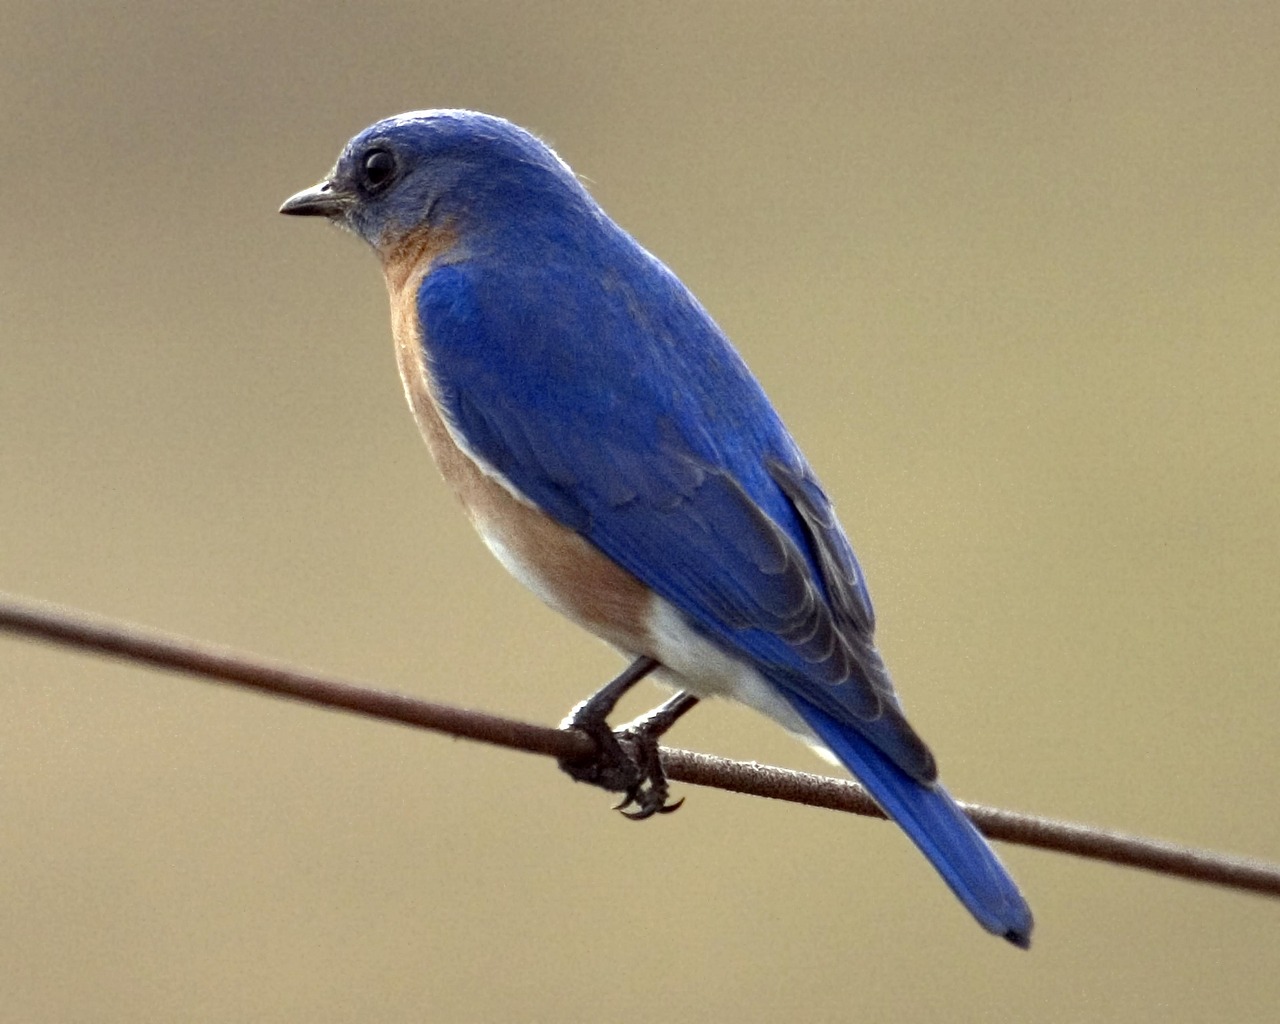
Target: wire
[[84, 631]]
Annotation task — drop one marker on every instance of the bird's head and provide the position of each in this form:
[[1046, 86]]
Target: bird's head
[[453, 170]]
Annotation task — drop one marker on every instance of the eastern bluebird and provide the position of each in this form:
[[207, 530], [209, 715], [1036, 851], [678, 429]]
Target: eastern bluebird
[[618, 457]]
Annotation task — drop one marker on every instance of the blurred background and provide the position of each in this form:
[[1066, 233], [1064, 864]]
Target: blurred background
[[1008, 270]]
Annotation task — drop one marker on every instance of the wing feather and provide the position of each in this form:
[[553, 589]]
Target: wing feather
[[698, 492]]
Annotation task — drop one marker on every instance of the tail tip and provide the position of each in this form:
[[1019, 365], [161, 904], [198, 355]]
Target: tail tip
[[1020, 939]]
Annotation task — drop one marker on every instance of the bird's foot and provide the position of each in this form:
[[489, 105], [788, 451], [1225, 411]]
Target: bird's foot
[[626, 761], [649, 794]]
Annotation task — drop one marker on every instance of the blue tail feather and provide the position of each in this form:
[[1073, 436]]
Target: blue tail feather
[[934, 822]]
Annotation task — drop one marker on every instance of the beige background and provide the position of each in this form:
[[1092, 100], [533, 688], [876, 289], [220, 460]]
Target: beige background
[[1008, 270]]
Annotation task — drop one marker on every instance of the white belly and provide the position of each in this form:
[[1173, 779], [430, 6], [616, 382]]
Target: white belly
[[691, 662]]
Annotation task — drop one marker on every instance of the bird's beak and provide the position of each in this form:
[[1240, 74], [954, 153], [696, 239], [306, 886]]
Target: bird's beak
[[323, 200]]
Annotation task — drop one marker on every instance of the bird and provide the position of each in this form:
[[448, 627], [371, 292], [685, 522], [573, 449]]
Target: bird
[[617, 456]]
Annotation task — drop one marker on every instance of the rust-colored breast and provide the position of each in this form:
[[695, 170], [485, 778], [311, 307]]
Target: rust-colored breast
[[561, 567]]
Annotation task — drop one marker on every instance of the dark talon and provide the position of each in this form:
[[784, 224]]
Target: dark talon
[[651, 792], [627, 761]]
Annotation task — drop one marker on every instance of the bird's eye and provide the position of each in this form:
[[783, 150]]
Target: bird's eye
[[379, 166]]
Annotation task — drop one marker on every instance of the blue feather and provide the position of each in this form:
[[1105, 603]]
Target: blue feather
[[659, 455], [933, 821]]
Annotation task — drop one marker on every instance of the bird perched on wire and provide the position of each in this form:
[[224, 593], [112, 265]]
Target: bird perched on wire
[[620, 460]]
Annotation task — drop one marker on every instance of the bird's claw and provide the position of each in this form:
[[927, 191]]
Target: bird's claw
[[649, 795], [650, 803], [624, 762]]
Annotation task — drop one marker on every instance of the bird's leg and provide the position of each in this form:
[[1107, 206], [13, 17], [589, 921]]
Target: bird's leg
[[626, 761], [609, 767]]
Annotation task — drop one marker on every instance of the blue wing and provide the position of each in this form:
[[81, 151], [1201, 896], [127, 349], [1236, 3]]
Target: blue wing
[[618, 407], [632, 421]]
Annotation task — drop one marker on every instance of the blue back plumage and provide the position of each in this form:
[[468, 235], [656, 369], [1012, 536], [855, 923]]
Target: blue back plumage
[[578, 367]]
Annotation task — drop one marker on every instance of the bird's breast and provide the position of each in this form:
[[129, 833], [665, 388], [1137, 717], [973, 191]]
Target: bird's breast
[[563, 568]]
